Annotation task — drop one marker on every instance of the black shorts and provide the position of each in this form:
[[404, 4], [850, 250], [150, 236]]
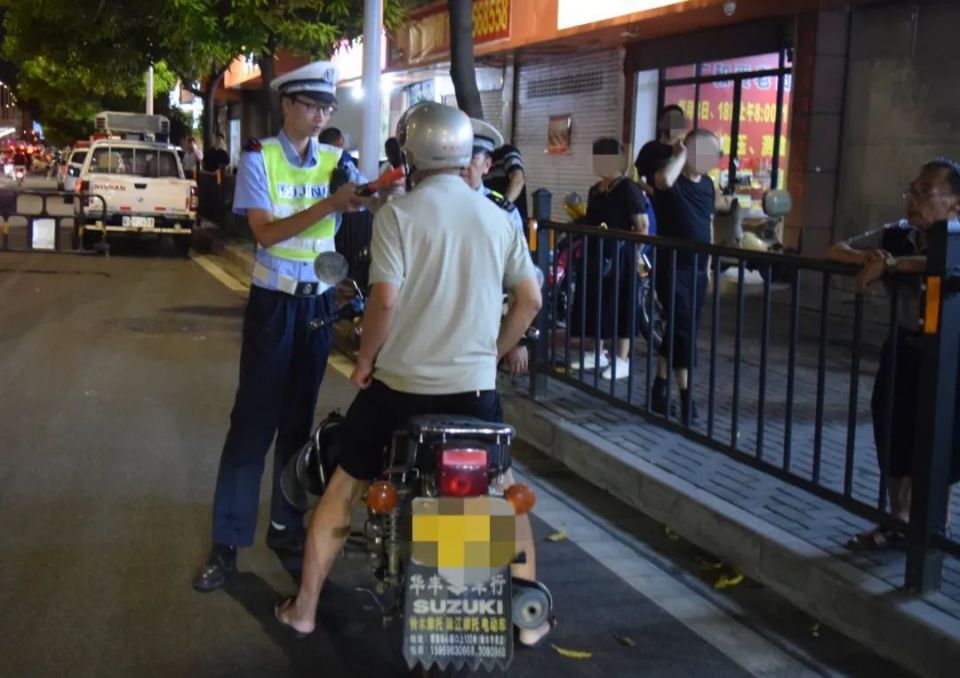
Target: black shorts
[[378, 411]]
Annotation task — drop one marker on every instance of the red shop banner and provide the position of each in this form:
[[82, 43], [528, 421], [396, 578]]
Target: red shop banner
[[758, 113]]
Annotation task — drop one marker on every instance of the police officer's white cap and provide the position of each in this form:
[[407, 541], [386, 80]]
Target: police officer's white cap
[[486, 137], [317, 80]]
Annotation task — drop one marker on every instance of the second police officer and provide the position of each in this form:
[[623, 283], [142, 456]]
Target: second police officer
[[283, 189]]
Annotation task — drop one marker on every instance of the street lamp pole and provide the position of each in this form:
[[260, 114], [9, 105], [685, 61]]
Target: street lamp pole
[[370, 139], [150, 90]]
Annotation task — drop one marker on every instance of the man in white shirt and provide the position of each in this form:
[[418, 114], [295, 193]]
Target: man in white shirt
[[432, 331]]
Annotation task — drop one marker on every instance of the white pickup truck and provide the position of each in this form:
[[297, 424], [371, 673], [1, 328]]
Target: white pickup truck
[[143, 191]]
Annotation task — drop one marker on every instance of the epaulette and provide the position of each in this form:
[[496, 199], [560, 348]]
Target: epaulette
[[500, 201], [252, 145]]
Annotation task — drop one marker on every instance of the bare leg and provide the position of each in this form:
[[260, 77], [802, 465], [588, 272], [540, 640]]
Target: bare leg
[[527, 570], [900, 489], [623, 349], [329, 527], [683, 376]]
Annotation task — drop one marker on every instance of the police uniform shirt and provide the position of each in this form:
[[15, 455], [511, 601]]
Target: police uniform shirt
[[513, 213], [252, 191]]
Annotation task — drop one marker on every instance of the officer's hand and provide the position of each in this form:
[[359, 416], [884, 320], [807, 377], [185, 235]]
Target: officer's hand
[[346, 199], [362, 375], [517, 360]]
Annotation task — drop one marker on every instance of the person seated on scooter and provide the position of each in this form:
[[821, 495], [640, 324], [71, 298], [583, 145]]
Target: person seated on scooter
[[686, 204], [432, 335], [616, 203]]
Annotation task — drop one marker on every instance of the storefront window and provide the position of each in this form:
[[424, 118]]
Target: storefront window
[[738, 100]]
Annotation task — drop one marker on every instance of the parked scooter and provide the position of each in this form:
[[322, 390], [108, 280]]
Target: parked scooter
[[440, 529], [765, 235]]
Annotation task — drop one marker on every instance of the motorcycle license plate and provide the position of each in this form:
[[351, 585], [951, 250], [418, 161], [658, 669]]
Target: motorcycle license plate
[[138, 222], [457, 593]]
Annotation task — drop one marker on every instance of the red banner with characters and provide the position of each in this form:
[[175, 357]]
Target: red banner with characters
[[758, 114]]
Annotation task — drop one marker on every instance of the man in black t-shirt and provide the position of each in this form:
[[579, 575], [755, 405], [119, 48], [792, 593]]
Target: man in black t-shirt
[[507, 177], [685, 202], [217, 157], [671, 126]]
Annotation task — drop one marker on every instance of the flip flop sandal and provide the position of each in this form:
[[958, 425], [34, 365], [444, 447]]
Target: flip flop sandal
[[879, 539], [290, 630]]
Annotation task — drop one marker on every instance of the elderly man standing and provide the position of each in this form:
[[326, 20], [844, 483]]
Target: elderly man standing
[[900, 248]]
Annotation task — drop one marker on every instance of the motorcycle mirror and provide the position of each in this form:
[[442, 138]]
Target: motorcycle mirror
[[331, 267]]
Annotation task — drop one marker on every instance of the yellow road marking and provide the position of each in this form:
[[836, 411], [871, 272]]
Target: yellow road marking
[[222, 276]]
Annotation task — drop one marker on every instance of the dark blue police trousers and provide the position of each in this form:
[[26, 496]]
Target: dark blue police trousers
[[281, 367]]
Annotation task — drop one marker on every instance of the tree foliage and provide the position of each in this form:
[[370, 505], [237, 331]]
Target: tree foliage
[[79, 56]]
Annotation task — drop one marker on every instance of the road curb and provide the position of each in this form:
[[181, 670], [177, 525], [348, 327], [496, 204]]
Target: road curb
[[909, 631]]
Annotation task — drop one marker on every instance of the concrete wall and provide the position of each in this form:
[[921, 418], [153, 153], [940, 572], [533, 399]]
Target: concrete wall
[[903, 106]]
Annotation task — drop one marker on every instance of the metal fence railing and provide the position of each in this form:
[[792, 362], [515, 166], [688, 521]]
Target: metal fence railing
[[29, 221], [779, 365]]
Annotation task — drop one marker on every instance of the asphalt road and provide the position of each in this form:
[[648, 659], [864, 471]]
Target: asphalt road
[[116, 381]]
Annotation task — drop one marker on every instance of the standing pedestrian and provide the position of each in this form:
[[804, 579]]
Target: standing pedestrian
[[686, 204], [892, 253], [614, 203], [283, 189]]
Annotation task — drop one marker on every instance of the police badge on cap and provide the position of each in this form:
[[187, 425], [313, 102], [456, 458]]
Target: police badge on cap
[[317, 81]]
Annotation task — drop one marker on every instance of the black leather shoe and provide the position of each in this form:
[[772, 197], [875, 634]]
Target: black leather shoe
[[221, 563], [288, 541], [688, 407], [659, 401]]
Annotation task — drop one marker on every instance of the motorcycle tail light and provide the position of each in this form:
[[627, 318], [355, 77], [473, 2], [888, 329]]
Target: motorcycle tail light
[[382, 497], [463, 472]]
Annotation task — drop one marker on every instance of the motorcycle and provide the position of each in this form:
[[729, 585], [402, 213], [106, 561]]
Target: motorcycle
[[19, 172], [439, 527]]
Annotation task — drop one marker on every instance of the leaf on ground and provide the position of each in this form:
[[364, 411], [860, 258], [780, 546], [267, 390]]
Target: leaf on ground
[[671, 535], [557, 536], [727, 581], [625, 640], [815, 630], [572, 654]]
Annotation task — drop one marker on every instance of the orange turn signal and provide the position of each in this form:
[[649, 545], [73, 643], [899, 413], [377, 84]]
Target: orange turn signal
[[522, 498], [382, 497]]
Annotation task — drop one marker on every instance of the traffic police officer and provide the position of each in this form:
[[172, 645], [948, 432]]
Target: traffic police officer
[[283, 189], [486, 138]]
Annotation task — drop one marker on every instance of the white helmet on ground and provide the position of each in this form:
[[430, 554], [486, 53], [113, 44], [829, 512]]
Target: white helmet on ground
[[434, 136]]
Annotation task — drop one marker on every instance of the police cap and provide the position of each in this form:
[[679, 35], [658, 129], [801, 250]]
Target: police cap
[[317, 81]]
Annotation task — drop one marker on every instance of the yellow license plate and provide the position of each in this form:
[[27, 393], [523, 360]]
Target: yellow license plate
[[473, 532]]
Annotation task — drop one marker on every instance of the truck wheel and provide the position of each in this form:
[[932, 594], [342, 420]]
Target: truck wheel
[[90, 239], [182, 245]]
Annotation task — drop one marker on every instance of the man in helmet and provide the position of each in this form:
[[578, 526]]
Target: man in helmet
[[432, 335]]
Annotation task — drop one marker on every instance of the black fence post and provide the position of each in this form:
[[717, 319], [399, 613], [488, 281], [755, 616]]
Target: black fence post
[[936, 406], [541, 257]]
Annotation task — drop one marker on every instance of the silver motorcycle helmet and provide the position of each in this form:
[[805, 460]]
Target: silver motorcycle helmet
[[434, 136]]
